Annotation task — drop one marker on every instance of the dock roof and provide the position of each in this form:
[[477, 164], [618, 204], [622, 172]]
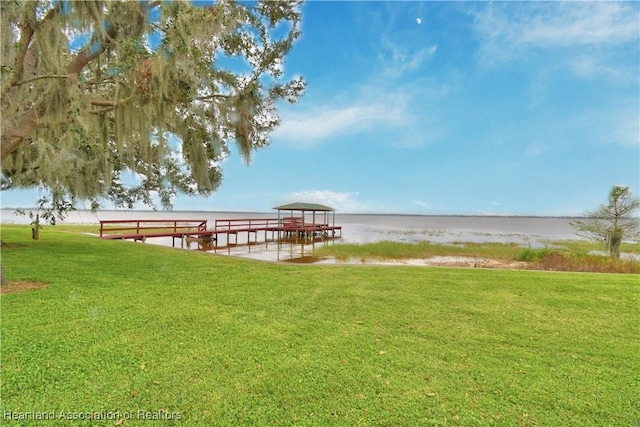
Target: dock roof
[[300, 206]]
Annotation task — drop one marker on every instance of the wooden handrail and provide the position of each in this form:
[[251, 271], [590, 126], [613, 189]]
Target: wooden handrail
[[244, 223], [150, 224]]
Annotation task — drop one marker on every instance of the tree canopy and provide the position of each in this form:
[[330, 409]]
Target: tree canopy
[[94, 90], [613, 221]]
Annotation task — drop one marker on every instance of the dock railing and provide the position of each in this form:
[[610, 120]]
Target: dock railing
[[125, 228], [246, 224]]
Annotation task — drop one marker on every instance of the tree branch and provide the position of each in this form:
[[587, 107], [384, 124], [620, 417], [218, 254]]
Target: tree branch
[[216, 95], [109, 105], [101, 103], [48, 76], [91, 52], [26, 34]]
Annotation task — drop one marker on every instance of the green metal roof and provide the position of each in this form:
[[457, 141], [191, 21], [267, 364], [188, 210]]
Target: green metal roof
[[299, 206]]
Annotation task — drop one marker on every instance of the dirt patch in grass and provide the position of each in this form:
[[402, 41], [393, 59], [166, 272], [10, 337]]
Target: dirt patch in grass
[[13, 287], [442, 261], [551, 262], [5, 245], [451, 261]]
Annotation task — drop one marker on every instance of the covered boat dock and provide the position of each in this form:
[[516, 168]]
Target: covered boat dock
[[307, 219]]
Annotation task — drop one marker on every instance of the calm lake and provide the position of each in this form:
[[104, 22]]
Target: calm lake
[[356, 228]]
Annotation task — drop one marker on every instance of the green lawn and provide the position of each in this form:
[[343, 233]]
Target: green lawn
[[126, 327]]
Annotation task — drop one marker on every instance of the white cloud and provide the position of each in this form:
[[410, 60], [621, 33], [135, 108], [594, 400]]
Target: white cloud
[[395, 95], [340, 201], [582, 23], [425, 205], [512, 30], [320, 123], [588, 67], [402, 61]]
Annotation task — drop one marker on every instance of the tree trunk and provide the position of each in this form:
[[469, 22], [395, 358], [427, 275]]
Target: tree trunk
[[35, 230], [614, 242], [3, 279]]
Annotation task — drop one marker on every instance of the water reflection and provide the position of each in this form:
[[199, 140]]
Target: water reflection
[[290, 249]]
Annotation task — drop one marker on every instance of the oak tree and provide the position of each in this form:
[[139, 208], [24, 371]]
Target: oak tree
[[94, 90]]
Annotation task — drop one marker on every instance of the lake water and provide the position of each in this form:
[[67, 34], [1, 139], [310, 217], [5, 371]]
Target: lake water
[[356, 228]]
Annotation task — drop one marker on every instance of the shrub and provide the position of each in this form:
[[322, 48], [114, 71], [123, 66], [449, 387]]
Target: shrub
[[534, 255]]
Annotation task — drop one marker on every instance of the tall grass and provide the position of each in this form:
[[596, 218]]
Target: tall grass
[[534, 255], [555, 261], [559, 256], [390, 250]]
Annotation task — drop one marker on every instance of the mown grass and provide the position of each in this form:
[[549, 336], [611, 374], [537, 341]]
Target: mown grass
[[222, 341]]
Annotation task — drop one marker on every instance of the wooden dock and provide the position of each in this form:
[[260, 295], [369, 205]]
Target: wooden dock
[[142, 229], [189, 231]]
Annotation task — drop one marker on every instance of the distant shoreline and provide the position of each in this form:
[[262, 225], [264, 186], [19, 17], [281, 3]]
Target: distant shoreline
[[338, 213]]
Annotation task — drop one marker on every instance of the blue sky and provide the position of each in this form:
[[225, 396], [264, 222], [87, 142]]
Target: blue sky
[[507, 108]]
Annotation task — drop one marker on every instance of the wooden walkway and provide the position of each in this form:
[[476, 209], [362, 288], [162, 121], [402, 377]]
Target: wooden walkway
[[196, 230], [142, 229]]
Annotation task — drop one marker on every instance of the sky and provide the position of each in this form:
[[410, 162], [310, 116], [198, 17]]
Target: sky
[[439, 108]]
